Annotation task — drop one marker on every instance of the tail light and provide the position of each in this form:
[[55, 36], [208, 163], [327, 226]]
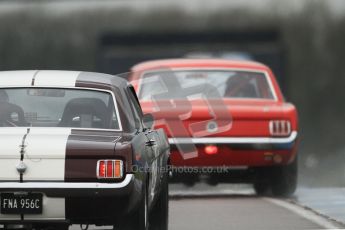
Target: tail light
[[109, 169], [280, 127]]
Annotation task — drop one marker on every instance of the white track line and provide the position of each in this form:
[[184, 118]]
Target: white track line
[[305, 213], [224, 192]]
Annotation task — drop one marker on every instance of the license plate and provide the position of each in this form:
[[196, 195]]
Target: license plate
[[13, 203]]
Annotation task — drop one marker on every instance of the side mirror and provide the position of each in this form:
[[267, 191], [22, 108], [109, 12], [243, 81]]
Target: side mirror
[[148, 120]]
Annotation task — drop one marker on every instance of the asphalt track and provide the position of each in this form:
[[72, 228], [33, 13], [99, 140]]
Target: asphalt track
[[204, 207], [227, 206]]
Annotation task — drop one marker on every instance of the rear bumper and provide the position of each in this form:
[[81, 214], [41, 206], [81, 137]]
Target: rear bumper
[[235, 151], [76, 203], [68, 189]]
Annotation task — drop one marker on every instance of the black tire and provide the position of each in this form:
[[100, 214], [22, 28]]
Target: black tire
[[262, 183], [62, 227], [14, 226], [262, 188], [189, 180], [213, 180], [139, 220], [284, 179], [50, 227], [159, 218]]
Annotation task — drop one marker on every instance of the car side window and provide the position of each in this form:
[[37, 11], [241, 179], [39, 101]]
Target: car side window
[[136, 101], [135, 106]]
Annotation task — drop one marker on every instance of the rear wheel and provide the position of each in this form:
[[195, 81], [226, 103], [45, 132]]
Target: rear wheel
[[262, 188], [139, 219], [17, 226], [284, 179], [262, 184], [190, 179], [160, 213], [280, 180], [213, 180], [62, 227]]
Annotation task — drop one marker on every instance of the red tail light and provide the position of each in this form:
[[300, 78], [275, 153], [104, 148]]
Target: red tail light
[[280, 127], [101, 169], [109, 169]]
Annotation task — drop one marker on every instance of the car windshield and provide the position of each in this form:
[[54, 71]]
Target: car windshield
[[197, 83], [49, 107]]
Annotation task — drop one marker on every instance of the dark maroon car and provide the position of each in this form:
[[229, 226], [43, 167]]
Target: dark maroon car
[[77, 149]]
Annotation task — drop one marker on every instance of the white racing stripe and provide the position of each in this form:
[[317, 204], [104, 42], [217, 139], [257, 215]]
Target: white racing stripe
[[16, 78], [45, 151], [307, 214], [45, 156], [49, 78], [10, 139], [56, 78]]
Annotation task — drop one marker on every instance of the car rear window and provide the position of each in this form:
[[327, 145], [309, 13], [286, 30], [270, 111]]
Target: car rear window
[[228, 84], [57, 107]]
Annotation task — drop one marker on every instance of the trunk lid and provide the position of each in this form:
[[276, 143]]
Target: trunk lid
[[241, 117], [53, 154]]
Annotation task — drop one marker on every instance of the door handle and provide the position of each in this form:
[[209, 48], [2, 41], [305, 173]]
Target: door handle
[[150, 142]]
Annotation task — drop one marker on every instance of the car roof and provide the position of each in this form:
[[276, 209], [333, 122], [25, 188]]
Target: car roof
[[58, 78], [199, 63]]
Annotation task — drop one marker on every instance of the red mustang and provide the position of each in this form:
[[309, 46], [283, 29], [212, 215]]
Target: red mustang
[[222, 114]]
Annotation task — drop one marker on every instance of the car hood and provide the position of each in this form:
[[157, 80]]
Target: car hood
[[57, 154]]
